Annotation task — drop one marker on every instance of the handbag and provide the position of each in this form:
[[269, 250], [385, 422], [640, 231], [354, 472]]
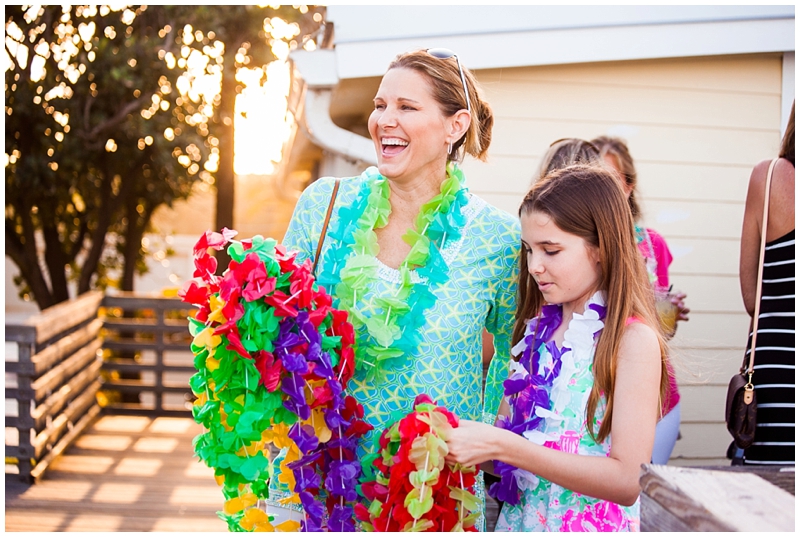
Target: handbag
[[740, 404], [325, 226]]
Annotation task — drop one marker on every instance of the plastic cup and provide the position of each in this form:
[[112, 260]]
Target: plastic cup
[[667, 312]]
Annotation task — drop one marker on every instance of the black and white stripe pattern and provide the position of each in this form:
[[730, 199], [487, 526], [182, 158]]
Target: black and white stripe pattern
[[774, 362]]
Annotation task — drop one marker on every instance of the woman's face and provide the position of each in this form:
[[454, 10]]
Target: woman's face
[[408, 128], [611, 161], [565, 267]]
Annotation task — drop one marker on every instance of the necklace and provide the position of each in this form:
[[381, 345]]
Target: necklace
[[352, 265], [650, 260], [534, 382]]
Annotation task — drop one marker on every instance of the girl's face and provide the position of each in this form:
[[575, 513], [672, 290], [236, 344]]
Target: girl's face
[[611, 161], [408, 128], [565, 267]]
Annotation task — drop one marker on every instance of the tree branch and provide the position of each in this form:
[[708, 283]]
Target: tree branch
[[117, 118], [30, 269]]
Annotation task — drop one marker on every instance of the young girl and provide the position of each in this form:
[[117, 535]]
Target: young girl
[[583, 396]]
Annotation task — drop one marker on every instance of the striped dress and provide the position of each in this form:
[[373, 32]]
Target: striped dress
[[773, 377]]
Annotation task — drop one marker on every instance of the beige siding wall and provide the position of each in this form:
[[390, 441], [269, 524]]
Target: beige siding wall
[[695, 128]]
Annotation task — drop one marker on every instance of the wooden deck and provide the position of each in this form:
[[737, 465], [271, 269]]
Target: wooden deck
[[124, 473]]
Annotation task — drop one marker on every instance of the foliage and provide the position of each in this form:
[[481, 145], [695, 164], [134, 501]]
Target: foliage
[[111, 112]]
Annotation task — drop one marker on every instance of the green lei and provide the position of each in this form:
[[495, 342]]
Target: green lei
[[351, 265], [650, 260]]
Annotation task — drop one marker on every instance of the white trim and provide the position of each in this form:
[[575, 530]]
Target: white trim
[[784, 243], [780, 263], [322, 131], [775, 424], [771, 463], [577, 45]]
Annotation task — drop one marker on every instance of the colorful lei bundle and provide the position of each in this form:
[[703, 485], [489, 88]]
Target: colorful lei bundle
[[351, 265], [414, 488], [272, 359]]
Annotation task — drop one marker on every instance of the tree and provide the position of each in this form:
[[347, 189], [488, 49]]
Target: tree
[[243, 29], [106, 120]]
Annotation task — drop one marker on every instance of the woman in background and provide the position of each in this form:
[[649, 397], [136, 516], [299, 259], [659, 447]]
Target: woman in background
[[775, 345], [655, 251]]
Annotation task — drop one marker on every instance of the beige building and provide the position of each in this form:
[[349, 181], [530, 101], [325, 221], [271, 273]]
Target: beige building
[[701, 94]]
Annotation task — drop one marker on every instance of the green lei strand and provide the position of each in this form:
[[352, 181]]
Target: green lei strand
[[650, 263], [385, 332]]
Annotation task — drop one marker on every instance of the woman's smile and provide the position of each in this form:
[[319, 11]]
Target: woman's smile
[[392, 146]]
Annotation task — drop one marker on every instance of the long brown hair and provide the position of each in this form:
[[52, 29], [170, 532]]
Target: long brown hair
[[448, 91], [787, 144], [589, 202], [618, 149]]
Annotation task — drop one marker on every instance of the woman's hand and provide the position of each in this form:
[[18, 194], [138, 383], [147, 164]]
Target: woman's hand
[[472, 443]]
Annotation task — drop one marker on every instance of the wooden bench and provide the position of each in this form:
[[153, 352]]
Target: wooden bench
[[717, 499]]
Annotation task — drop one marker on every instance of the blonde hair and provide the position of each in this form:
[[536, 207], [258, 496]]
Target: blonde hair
[[448, 91], [588, 201], [566, 152]]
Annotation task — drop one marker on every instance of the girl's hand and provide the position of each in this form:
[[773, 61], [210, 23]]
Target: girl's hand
[[683, 311], [472, 443]]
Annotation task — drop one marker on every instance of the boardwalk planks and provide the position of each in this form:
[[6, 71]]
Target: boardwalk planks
[[125, 473]]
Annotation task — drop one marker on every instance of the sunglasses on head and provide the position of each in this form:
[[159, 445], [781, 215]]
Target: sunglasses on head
[[582, 142], [443, 54]]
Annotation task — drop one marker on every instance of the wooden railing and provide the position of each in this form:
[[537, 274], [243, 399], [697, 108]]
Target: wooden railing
[[57, 368], [123, 354], [147, 358]]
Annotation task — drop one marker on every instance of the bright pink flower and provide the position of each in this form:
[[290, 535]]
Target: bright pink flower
[[282, 304], [270, 369], [191, 293], [601, 516]]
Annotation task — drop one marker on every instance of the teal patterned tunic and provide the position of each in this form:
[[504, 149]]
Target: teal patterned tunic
[[480, 292]]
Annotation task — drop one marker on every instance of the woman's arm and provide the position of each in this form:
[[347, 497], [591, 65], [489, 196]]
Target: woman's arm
[[500, 323], [614, 478], [751, 235]]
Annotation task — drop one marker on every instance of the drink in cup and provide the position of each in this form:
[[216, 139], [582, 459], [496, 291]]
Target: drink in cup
[[667, 311]]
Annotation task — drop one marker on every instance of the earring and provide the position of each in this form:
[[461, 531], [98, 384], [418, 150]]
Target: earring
[[449, 148]]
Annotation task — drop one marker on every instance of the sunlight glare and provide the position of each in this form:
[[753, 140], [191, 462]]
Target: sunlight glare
[[260, 125]]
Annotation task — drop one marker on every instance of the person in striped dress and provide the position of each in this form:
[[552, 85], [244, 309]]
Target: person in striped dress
[[773, 375]]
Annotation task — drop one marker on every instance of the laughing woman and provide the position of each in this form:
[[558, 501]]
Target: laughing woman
[[421, 265]]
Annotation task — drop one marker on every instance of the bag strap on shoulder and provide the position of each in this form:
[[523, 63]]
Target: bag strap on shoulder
[[325, 225], [757, 311]]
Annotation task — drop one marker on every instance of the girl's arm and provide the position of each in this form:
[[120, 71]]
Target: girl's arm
[[614, 478]]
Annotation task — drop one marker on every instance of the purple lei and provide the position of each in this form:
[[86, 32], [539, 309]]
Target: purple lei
[[341, 469], [531, 390]]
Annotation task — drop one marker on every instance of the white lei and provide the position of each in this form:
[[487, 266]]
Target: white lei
[[578, 349]]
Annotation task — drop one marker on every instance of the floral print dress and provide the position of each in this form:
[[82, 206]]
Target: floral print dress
[[545, 506]]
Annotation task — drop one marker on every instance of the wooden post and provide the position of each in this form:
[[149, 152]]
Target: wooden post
[[24, 399]]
